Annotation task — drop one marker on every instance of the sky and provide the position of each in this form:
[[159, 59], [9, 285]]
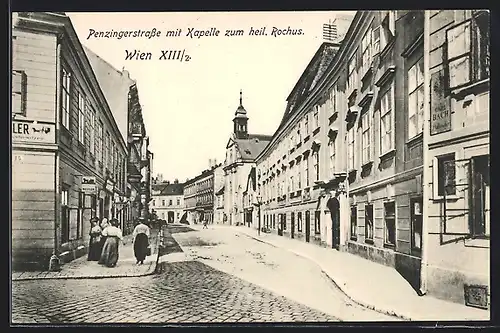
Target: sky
[[188, 106]]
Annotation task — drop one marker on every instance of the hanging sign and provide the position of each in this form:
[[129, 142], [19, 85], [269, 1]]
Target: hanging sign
[[89, 185], [110, 186]]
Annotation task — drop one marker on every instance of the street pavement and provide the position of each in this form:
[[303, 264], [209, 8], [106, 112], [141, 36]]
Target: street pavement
[[203, 276]]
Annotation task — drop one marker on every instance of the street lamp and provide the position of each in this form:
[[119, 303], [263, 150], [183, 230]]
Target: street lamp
[[259, 202]]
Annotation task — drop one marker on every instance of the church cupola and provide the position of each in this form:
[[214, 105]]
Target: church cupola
[[240, 120]]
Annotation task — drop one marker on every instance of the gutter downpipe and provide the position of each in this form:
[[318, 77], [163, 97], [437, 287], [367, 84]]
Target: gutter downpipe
[[54, 263], [426, 177]]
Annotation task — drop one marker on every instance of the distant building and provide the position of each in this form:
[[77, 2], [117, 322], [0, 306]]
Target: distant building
[[168, 201], [241, 151], [199, 194]]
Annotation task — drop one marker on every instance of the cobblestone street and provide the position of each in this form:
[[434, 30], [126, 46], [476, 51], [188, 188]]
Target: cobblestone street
[[222, 279]]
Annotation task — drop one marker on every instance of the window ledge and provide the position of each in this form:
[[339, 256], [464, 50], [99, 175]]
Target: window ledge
[[451, 197], [369, 241], [387, 154], [483, 242], [366, 165], [333, 117], [307, 138], [316, 131], [354, 238], [389, 246], [416, 138], [475, 88]]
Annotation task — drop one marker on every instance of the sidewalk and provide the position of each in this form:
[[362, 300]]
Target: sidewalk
[[386, 292], [80, 268]]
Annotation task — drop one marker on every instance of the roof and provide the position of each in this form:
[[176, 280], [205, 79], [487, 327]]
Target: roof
[[310, 77], [251, 147], [169, 189]]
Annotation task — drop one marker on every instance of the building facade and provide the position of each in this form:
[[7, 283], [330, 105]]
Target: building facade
[[68, 155], [241, 151], [250, 200], [168, 201], [199, 194], [116, 85], [362, 157], [458, 231], [219, 215], [290, 167]]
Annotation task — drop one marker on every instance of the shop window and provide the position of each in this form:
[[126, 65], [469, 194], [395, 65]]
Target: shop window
[[479, 180], [468, 50], [274, 221], [19, 88], [445, 175], [299, 221], [292, 221], [390, 223], [369, 223], [317, 225], [283, 219], [354, 222], [416, 225]]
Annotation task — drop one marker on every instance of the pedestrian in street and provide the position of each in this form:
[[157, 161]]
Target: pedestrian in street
[[205, 223], [110, 251], [95, 244], [104, 225], [141, 242]]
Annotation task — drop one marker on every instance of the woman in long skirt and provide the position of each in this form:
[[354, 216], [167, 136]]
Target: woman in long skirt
[[141, 241], [110, 251], [95, 245]]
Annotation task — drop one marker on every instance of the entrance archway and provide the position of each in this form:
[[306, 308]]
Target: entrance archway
[[170, 217], [333, 205]]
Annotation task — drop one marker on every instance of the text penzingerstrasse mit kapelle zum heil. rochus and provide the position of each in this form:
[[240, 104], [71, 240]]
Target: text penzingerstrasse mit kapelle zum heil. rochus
[[193, 33]]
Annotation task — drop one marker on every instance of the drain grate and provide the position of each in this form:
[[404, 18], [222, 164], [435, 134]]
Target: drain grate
[[476, 296]]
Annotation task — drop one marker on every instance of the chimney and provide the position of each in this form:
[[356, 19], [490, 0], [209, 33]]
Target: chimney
[[209, 163]]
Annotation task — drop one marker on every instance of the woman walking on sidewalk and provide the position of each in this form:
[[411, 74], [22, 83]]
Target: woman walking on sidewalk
[[95, 245], [141, 241], [110, 251]]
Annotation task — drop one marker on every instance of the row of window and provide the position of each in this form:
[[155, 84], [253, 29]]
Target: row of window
[[292, 178], [280, 221], [170, 202]]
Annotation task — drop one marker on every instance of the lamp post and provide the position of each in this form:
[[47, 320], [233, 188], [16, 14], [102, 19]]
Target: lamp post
[[259, 202]]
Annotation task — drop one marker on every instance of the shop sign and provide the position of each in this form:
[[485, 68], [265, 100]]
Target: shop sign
[[33, 132], [110, 186], [440, 105], [89, 185]]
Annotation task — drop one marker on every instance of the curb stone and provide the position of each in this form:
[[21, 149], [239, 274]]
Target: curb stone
[[151, 271], [338, 285]]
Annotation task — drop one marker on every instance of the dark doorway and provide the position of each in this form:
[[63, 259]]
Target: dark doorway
[[334, 207], [292, 222], [106, 207], [308, 225], [170, 217]]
